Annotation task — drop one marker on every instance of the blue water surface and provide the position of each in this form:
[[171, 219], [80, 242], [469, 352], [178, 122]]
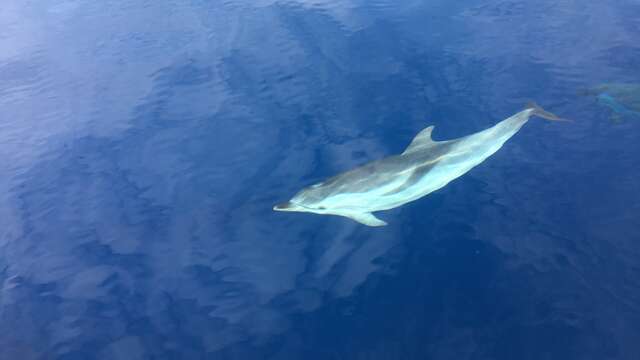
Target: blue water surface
[[144, 143]]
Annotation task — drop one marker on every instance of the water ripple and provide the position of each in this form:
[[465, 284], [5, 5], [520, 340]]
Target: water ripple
[[146, 143]]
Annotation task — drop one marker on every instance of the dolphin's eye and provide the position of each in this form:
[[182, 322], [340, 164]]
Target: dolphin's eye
[[321, 208]]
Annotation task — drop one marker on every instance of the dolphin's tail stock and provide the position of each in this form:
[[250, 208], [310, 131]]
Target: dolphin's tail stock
[[539, 111]]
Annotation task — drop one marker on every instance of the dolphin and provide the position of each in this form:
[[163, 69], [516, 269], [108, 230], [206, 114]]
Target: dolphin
[[622, 99], [424, 167]]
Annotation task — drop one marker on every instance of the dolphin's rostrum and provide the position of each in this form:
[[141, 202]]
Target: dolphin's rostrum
[[425, 166]]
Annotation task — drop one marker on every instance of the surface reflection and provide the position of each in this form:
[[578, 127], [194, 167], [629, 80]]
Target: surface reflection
[[145, 144]]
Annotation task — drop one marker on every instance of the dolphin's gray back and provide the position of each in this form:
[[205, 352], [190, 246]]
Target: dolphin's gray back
[[381, 173]]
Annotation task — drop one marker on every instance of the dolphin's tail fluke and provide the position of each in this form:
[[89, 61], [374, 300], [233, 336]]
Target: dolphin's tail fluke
[[539, 111]]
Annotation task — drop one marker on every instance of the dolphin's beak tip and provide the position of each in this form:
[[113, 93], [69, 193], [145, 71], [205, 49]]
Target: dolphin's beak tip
[[282, 207]]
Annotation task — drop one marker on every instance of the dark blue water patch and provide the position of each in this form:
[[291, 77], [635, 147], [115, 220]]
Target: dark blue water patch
[[448, 299], [624, 57]]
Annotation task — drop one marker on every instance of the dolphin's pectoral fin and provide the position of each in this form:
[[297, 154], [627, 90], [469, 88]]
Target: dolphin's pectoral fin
[[423, 139], [367, 219]]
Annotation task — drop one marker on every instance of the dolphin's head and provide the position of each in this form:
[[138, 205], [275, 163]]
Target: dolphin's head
[[289, 206], [310, 199]]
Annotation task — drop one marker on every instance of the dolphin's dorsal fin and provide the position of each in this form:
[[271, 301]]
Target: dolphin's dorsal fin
[[423, 139], [367, 219]]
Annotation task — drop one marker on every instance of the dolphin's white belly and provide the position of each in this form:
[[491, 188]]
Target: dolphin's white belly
[[367, 201], [438, 177], [448, 169]]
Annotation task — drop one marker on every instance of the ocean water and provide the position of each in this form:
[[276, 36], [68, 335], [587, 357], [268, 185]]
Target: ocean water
[[144, 143]]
